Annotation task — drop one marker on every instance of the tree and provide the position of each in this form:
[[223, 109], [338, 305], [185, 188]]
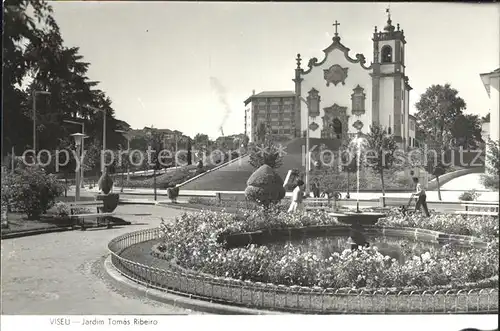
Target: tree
[[466, 131], [380, 153], [266, 153], [262, 132], [435, 164], [349, 160], [189, 156], [155, 140], [19, 30], [491, 178], [486, 119], [201, 140], [493, 164], [34, 56], [437, 111]]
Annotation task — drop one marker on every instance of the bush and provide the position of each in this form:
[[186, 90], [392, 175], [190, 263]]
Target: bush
[[62, 209], [265, 186], [470, 195], [479, 226], [105, 182], [490, 181], [31, 190]]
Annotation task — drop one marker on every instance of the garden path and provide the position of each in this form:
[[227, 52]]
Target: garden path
[[466, 182], [61, 273]]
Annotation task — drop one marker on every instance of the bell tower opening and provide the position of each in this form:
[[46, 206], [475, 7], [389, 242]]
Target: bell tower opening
[[386, 54]]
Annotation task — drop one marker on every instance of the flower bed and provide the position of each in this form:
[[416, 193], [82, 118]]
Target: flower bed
[[192, 241], [478, 226]]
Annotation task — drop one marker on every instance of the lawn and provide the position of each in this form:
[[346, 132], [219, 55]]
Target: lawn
[[19, 223]]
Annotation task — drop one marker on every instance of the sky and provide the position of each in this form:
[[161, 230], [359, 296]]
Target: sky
[[189, 66]]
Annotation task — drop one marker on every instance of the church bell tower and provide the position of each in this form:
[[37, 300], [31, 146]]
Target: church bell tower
[[390, 106]]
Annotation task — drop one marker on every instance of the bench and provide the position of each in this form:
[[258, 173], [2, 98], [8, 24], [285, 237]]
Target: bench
[[472, 206], [80, 218]]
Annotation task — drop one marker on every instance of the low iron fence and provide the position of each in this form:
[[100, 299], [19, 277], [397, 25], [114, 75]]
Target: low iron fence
[[294, 298]]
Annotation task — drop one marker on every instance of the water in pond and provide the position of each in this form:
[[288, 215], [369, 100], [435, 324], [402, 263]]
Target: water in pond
[[323, 247]]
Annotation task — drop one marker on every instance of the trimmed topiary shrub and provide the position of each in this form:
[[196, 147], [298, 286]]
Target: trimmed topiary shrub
[[105, 182], [173, 193], [31, 190], [265, 187]]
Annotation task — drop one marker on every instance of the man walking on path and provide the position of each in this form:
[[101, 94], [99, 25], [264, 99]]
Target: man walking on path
[[315, 188], [422, 197]]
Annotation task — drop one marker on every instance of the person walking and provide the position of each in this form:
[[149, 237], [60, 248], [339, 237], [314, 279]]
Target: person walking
[[422, 197], [315, 188], [297, 198]]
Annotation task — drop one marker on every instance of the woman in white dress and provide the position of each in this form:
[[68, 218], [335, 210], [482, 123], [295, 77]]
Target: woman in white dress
[[297, 198]]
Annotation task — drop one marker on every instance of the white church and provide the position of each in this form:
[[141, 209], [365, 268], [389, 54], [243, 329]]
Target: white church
[[345, 94]]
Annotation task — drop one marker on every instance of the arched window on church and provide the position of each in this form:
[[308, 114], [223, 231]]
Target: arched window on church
[[386, 54]]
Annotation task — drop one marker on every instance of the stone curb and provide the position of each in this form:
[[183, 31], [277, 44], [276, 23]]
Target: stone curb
[[34, 232], [177, 300]]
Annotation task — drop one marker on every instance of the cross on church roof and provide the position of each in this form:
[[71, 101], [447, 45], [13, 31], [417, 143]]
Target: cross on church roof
[[336, 25]]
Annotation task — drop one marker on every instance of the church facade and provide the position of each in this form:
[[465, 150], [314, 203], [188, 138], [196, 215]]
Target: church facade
[[340, 95]]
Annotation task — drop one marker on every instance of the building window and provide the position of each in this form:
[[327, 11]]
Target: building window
[[286, 131], [262, 107], [358, 101], [313, 99], [389, 130], [412, 125], [386, 54]]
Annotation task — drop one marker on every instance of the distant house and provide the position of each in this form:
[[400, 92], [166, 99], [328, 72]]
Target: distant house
[[491, 82]]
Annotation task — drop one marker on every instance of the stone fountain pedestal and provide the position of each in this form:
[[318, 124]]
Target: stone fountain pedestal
[[110, 202], [361, 218]]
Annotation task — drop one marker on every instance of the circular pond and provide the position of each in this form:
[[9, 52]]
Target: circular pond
[[399, 248]]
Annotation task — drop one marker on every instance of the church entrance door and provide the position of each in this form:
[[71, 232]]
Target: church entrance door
[[337, 128]]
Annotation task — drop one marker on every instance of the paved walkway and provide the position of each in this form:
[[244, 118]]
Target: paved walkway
[[450, 193], [466, 182], [61, 273]]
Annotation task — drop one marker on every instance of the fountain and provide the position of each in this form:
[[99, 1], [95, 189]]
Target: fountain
[[358, 217]]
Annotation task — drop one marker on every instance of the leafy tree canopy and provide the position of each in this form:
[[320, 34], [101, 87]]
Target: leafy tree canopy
[[437, 111]]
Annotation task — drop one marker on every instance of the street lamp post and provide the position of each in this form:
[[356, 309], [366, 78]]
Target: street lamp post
[[35, 93], [83, 148], [78, 144], [308, 155], [103, 133], [128, 137]]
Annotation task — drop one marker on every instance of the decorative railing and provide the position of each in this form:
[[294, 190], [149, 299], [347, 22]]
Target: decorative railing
[[294, 298]]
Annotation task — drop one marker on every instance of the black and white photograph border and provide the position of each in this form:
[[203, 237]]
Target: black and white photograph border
[[314, 162]]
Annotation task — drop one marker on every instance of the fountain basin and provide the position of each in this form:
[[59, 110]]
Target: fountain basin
[[361, 218]]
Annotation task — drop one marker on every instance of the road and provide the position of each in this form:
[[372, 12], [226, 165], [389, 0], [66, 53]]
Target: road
[[61, 273]]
